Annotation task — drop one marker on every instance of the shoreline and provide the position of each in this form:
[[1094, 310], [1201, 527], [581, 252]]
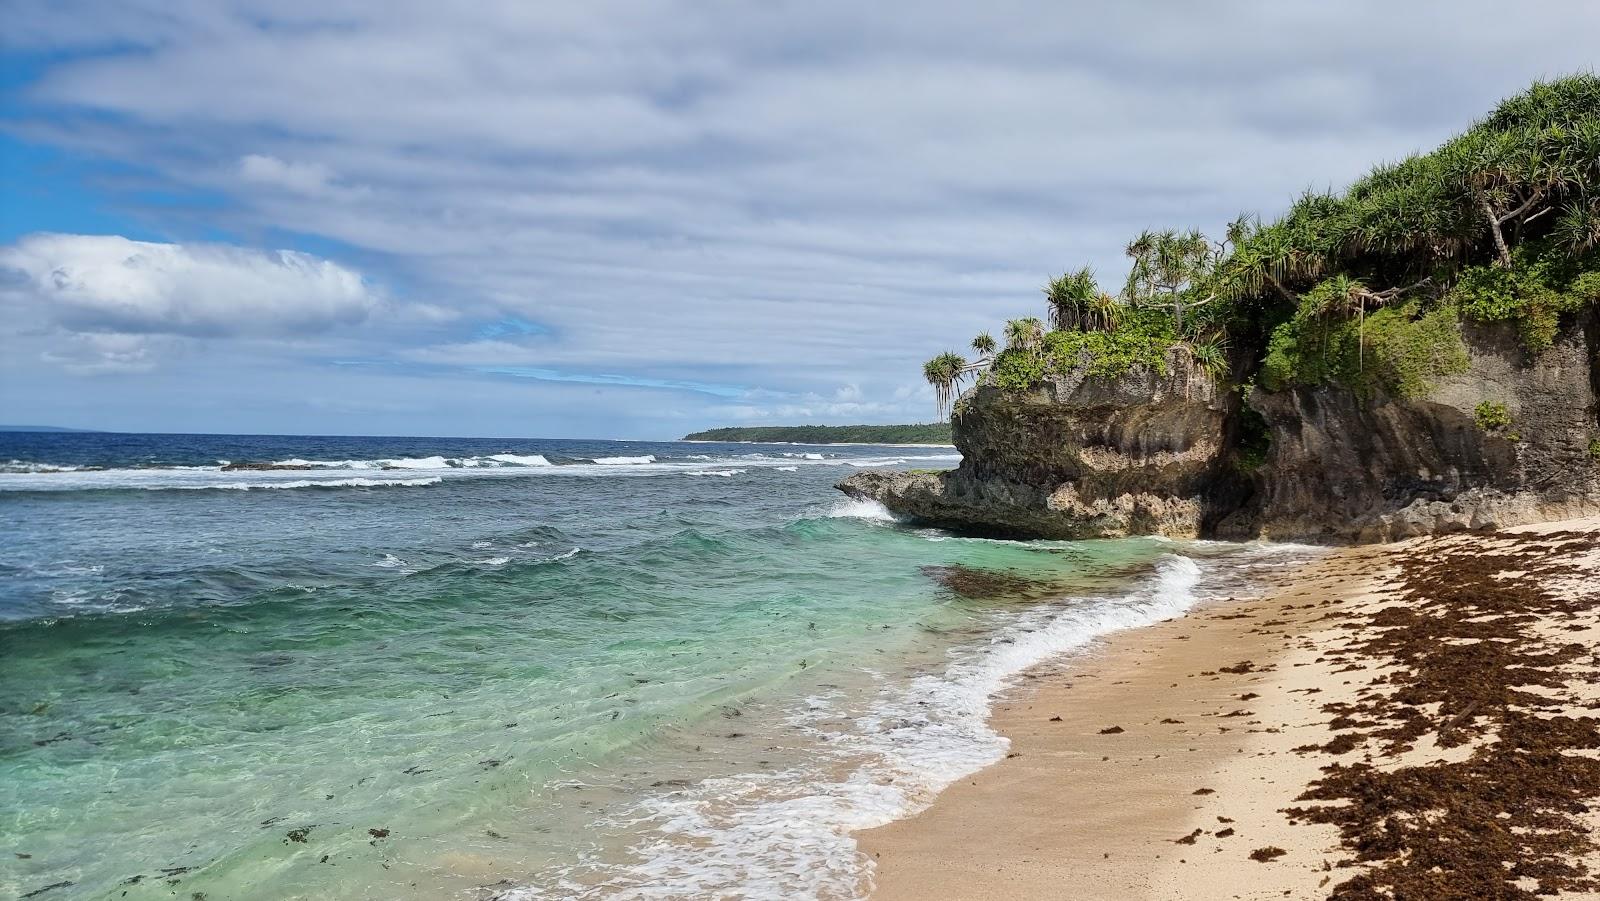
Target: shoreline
[[1157, 764]]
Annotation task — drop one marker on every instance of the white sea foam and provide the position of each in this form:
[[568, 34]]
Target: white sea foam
[[27, 467], [725, 473], [788, 834], [520, 459], [306, 483], [36, 476], [434, 462], [892, 461], [493, 561], [860, 508]]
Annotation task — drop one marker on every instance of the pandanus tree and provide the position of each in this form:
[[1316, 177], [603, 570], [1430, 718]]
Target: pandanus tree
[[1165, 265], [1076, 303], [1579, 226], [1511, 178], [945, 372], [1070, 298], [984, 345], [1024, 334]]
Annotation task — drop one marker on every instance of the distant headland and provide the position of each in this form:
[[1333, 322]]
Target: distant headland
[[919, 433]]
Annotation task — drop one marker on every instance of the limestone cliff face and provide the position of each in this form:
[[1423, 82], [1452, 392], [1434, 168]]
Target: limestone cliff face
[[1153, 453], [1077, 456], [1371, 469]]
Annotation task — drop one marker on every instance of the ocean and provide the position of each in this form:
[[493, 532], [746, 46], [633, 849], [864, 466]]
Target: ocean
[[425, 668]]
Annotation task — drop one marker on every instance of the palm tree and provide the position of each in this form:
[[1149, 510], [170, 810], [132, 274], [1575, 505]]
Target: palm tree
[[1105, 313], [984, 345], [1165, 265], [1024, 334], [1071, 298], [1579, 226], [944, 372], [1211, 356]]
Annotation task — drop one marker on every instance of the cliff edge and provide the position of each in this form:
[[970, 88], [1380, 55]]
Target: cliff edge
[[1171, 452]]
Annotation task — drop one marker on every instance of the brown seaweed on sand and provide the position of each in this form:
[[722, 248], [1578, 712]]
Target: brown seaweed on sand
[[1471, 666]]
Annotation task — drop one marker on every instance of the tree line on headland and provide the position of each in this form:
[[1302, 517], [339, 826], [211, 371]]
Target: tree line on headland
[[1367, 289], [922, 433]]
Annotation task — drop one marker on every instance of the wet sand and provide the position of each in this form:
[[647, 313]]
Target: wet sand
[[1161, 764]]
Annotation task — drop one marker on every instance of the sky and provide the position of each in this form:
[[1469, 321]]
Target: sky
[[638, 219]]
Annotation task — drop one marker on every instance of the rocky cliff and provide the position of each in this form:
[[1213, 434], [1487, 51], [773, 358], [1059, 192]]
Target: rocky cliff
[[1173, 453]]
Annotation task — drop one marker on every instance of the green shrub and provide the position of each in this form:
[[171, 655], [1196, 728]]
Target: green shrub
[[1491, 416], [1142, 339], [1594, 449], [1533, 292], [1402, 350], [1018, 369]]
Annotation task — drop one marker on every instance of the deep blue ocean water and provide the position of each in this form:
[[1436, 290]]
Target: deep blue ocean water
[[513, 668]]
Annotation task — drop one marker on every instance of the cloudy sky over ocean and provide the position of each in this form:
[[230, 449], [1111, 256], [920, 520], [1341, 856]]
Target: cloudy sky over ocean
[[614, 219]]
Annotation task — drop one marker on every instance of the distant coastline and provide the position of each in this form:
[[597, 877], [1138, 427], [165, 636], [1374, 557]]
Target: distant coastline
[[932, 433], [43, 428]]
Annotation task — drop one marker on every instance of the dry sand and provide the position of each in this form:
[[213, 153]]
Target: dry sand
[[1210, 708]]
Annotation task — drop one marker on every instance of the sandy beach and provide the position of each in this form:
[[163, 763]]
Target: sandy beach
[[1405, 720]]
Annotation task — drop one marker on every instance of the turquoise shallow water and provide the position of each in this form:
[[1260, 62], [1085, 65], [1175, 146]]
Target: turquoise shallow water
[[584, 670]]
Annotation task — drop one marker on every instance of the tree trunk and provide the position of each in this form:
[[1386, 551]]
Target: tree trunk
[[1500, 247]]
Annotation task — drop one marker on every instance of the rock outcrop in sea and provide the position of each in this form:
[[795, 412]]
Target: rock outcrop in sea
[[1178, 453]]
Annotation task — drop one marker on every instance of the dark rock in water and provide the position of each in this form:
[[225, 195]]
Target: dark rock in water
[[984, 584], [1164, 453]]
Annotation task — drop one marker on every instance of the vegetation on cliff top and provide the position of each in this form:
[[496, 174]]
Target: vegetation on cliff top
[[921, 433], [1366, 289]]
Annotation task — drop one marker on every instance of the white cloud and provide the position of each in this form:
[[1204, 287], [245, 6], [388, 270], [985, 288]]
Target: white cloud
[[107, 284], [792, 197], [306, 178], [106, 354]]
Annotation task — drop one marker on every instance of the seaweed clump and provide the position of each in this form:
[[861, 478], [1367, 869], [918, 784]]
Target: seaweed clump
[[1506, 821], [985, 584]]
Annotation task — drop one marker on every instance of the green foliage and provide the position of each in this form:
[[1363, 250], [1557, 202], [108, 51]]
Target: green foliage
[[1366, 288], [1594, 449], [1143, 340], [923, 433], [944, 372], [1211, 356], [1491, 415], [1076, 303], [1018, 370], [1401, 350], [1541, 283], [1024, 334]]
